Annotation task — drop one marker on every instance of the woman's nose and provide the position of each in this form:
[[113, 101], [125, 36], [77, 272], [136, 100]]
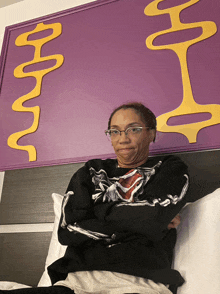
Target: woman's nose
[[123, 137]]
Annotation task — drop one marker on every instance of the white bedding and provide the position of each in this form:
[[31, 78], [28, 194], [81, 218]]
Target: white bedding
[[12, 286], [197, 254]]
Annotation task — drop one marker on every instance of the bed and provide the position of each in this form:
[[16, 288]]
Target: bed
[[30, 210]]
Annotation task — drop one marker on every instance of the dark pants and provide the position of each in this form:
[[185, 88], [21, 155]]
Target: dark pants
[[40, 290]]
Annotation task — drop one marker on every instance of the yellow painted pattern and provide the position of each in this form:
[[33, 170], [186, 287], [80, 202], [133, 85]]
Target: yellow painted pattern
[[22, 40], [188, 105]]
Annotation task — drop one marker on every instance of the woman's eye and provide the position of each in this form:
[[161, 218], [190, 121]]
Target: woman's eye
[[135, 130], [114, 132]]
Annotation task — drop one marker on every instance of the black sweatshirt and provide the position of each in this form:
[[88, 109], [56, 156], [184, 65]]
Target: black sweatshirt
[[116, 219]]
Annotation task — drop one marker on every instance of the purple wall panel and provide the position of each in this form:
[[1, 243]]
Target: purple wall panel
[[106, 63]]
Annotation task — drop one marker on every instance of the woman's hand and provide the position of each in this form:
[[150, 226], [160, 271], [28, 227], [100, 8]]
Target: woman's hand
[[175, 222]]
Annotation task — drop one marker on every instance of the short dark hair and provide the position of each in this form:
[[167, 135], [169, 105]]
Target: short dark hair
[[147, 115]]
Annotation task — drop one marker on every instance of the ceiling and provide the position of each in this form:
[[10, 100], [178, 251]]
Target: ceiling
[[4, 3]]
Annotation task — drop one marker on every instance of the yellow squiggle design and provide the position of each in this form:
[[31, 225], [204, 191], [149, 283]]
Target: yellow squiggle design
[[22, 40], [188, 105]]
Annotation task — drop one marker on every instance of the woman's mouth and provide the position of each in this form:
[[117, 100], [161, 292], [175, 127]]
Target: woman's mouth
[[125, 150]]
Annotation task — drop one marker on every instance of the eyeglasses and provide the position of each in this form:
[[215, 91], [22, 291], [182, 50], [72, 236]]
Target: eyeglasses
[[113, 134]]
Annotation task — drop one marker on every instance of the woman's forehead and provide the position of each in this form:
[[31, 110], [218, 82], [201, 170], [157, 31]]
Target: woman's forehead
[[126, 117]]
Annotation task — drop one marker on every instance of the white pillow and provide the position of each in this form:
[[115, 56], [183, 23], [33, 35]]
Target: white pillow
[[4, 285], [197, 253], [56, 250]]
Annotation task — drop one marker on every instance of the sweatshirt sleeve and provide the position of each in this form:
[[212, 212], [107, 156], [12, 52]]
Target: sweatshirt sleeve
[[163, 198], [78, 222]]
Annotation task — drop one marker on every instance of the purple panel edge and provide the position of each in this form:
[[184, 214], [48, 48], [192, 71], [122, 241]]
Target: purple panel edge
[[3, 55], [155, 152]]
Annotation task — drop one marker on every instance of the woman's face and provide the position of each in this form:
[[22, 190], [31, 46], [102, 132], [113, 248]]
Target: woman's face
[[132, 150]]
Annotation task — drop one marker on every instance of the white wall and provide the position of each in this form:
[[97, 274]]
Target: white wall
[[30, 9]]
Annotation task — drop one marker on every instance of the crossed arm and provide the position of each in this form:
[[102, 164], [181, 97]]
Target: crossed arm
[[109, 218]]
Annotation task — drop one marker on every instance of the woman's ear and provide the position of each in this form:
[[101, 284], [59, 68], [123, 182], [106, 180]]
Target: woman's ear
[[152, 135]]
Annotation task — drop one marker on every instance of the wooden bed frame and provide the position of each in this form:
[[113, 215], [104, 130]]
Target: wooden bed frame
[[26, 203]]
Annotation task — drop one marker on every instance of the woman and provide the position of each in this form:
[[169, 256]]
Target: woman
[[118, 215]]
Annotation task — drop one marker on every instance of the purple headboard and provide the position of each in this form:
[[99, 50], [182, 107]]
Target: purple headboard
[[63, 74]]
